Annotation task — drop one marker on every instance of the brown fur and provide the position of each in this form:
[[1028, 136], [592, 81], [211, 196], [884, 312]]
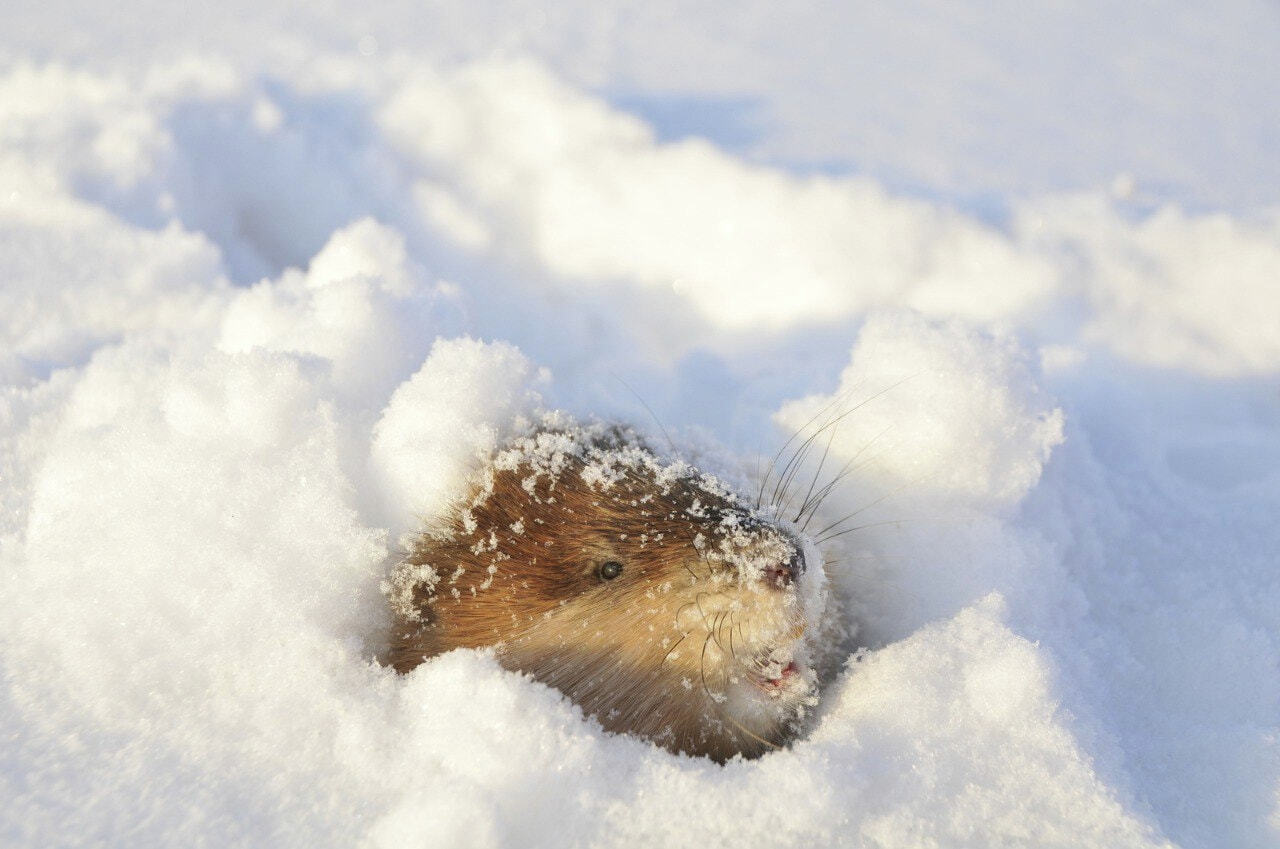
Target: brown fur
[[656, 652]]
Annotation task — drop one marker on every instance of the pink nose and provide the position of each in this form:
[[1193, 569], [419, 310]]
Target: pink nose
[[783, 574]]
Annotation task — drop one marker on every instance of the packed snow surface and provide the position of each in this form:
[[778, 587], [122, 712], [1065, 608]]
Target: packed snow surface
[[272, 284]]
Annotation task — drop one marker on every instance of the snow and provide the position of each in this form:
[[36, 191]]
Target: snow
[[464, 403], [952, 411], [273, 283]]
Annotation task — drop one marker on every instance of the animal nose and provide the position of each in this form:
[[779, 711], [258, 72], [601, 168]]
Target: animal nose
[[783, 574]]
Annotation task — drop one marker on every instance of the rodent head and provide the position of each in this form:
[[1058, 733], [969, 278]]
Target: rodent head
[[649, 593]]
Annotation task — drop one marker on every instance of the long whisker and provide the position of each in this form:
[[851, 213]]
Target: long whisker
[[769, 471], [861, 528], [811, 505], [670, 442], [802, 451], [782, 492], [861, 509], [798, 455], [814, 482]]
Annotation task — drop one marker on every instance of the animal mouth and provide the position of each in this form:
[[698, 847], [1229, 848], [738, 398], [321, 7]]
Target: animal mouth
[[778, 669], [779, 673], [788, 671]]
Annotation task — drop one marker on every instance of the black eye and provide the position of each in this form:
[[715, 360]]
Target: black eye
[[610, 569]]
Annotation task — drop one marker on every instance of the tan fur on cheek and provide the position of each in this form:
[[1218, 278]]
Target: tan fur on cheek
[[671, 687]]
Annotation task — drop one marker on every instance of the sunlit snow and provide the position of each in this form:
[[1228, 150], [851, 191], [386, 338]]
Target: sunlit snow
[[273, 282]]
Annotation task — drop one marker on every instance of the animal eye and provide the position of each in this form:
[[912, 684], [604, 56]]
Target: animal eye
[[610, 569]]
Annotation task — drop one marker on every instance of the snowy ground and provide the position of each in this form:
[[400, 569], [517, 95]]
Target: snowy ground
[[269, 279]]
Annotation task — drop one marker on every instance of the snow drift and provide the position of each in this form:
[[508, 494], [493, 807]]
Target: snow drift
[[258, 324]]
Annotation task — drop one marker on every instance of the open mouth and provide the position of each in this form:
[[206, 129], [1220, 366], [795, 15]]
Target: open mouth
[[788, 671], [778, 673]]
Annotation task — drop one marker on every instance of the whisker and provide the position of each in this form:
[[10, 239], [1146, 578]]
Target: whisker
[[670, 442], [715, 705], [769, 471], [667, 656], [698, 601], [733, 654], [862, 509], [681, 610], [754, 736], [861, 528], [814, 482], [715, 628], [702, 670], [797, 457], [829, 487], [734, 659], [865, 556], [799, 454], [782, 492]]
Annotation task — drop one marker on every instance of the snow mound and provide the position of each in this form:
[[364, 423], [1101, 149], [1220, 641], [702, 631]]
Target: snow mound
[[465, 401], [938, 411], [262, 312], [362, 306]]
